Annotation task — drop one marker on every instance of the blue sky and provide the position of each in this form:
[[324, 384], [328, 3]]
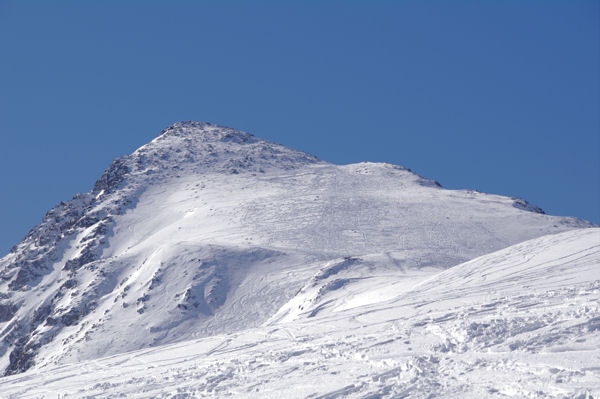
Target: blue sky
[[502, 97]]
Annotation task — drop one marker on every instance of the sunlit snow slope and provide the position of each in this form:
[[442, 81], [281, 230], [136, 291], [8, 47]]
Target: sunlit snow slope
[[207, 230], [522, 322]]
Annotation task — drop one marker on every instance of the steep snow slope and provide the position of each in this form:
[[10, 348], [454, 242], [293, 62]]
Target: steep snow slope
[[208, 230], [522, 322]]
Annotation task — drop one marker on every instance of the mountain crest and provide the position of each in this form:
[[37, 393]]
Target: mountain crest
[[206, 131], [202, 147]]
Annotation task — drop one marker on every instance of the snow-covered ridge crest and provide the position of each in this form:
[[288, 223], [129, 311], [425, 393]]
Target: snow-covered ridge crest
[[205, 147], [199, 148]]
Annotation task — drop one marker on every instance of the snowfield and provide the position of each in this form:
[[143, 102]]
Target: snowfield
[[520, 322], [212, 263]]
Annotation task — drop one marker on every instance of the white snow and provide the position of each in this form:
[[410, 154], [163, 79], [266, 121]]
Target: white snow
[[220, 264], [520, 322], [256, 235]]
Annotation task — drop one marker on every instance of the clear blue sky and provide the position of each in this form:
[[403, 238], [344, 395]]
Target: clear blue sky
[[503, 97]]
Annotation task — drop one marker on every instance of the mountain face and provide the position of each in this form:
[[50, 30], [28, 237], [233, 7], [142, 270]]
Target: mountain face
[[207, 230]]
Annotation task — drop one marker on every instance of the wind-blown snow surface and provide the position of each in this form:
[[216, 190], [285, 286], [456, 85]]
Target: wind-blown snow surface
[[207, 230], [521, 322]]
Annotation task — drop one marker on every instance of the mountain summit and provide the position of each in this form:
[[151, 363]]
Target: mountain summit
[[201, 147], [208, 230]]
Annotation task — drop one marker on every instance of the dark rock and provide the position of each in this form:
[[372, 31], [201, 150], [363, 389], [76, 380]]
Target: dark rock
[[7, 311], [87, 256], [21, 357], [87, 221], [70, 283], [112, 177], [71, 317], [526, 206], [41, 314]]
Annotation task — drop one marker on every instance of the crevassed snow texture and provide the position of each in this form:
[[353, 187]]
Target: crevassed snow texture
[[522, 322], [207, 230]]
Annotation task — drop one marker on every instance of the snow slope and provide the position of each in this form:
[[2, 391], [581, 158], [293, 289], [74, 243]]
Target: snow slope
[[521, 322], [207, 230]]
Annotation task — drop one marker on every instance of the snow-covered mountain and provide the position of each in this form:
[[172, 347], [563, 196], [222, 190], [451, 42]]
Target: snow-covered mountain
[[208, 231]]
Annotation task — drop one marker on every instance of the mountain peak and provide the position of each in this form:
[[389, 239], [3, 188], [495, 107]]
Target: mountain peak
[[206, 131], [203, 147]]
